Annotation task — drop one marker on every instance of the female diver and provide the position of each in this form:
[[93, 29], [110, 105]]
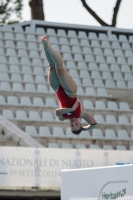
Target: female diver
[[66, 90]]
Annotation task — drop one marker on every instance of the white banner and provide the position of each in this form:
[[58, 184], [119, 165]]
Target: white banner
[[24, 167]]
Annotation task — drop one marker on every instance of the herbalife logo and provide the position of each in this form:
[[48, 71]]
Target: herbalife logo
[[114, 195]]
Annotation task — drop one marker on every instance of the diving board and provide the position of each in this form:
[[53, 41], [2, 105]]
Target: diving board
[[98, 183]]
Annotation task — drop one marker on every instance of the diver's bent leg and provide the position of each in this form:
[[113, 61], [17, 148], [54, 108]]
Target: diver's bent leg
[[64, 77]]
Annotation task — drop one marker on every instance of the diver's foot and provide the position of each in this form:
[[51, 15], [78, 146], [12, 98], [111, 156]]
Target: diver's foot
[[44, 37], [45, 42]]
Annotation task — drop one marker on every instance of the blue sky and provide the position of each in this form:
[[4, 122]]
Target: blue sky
[[73, 12]]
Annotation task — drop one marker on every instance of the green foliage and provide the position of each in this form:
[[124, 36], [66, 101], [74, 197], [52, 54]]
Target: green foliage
[[9, 8]]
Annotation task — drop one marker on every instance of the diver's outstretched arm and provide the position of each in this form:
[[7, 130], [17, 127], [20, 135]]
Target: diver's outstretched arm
[[88, 118]]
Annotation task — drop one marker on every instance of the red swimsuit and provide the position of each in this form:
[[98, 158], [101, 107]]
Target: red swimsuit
[[67, 102]]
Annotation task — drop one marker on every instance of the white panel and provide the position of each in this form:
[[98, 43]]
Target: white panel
[[98, 183]]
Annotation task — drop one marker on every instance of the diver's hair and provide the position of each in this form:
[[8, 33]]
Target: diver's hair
[[77, 132]]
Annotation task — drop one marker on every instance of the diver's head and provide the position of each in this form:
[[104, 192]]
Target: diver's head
[[75, 125]]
